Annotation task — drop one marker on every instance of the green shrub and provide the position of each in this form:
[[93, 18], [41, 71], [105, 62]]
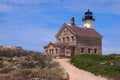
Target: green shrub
[[105, 65]]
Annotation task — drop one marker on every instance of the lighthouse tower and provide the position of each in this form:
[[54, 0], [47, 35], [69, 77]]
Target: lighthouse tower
[[88, 20]]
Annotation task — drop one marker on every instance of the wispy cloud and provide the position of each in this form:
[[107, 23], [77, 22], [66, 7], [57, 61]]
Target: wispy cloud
[[27, 1], [106, 6]]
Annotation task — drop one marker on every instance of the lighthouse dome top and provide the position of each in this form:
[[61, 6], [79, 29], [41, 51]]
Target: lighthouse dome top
[[88, 12], [88, 16]]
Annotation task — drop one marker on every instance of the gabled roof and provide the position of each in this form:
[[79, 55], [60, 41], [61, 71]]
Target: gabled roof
[[50, 43], [80, 30], [63, 26]]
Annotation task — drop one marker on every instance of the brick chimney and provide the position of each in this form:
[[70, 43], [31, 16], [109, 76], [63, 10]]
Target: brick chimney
[[72, 21]]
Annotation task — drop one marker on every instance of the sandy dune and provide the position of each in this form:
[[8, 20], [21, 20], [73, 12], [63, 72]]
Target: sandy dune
[[77, 74]]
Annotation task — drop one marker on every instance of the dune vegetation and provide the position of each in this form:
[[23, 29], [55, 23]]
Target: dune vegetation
[[19, 64], [103, 65]]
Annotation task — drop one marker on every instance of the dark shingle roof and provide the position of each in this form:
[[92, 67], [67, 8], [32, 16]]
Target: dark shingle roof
[[83, 30]]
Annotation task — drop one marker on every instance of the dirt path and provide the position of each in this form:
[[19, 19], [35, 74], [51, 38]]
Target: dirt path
[[77, 74]]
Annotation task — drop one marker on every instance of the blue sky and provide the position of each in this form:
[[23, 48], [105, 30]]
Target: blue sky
[[31, 24]]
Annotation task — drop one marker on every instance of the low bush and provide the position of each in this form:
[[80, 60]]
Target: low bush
[[19, 64], [6, 70], [35, 74], [105, 65]]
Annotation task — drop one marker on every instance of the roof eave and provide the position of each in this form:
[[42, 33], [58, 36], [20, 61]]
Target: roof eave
[[60, 30]]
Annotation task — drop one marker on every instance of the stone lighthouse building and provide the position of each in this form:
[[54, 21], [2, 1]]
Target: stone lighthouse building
[[74, 40]]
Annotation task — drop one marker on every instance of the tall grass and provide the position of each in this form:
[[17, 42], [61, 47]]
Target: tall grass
[[19, 64]]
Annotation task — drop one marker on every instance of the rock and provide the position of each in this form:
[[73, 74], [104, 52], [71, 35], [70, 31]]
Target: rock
[[65, 75]]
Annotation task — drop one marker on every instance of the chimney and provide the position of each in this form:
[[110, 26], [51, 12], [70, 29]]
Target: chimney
[[72, 21]]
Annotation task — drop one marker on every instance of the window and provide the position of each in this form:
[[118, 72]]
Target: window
[[95, 51], [63, 39], [67, 39], [66, 32], [72, 38], [89, 50], [67, 52], [56, 51], [52, 51], [59, 40], [82, 50]]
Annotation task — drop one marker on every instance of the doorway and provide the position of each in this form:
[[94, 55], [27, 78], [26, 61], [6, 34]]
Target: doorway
[[72, 51]]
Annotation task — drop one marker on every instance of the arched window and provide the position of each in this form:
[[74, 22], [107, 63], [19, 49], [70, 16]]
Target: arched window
[[95, 51], [89, 50]]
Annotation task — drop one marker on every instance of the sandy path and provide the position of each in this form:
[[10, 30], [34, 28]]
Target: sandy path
[[77, 74]]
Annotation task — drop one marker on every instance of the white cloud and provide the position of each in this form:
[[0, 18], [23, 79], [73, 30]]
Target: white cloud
[[106, 6]]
